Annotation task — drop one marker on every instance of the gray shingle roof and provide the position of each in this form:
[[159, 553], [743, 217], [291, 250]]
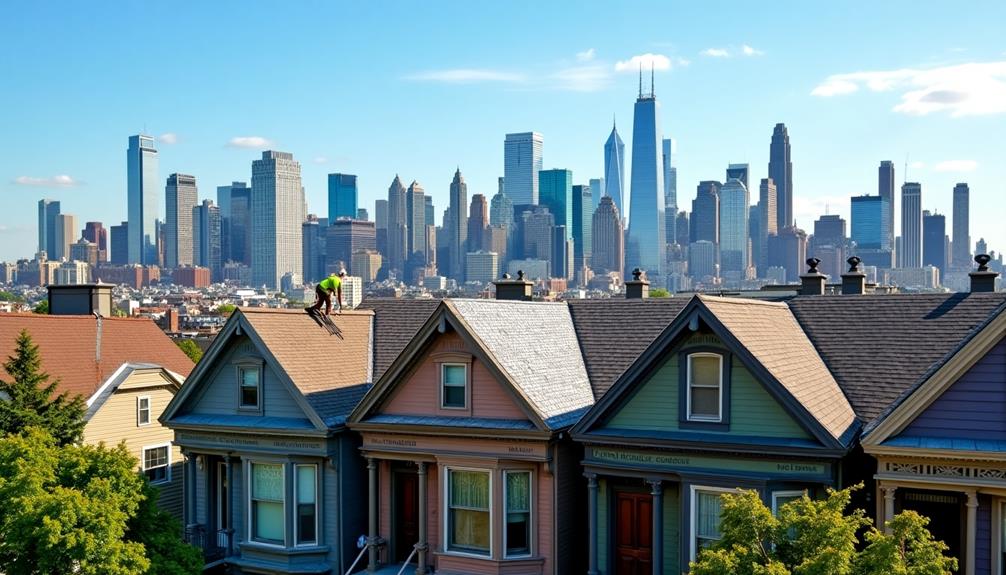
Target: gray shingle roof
[[396, 321]]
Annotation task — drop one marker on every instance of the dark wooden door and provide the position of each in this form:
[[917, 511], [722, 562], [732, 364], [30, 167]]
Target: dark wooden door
[[633, 533], [406, 514], [947, 516]]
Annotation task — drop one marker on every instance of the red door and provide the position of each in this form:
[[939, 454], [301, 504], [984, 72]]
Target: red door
[[406, 514], [633, 534]]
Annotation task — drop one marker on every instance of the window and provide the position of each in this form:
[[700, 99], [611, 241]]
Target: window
[[307, 503], [454, 378], [249, 379], [267, 522], [143, 410], [705, 520], [780, 498], [705, 382], [517, 535], [468, 518], [157, 464]]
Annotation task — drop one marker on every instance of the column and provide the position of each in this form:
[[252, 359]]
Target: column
[[592, 523], [972, 527], [657, 491], [888, 506], [188, 487], [421, 545], [229, 478], [372, 525]]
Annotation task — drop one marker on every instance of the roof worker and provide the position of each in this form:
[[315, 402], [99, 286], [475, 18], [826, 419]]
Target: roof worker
[[323, 293]]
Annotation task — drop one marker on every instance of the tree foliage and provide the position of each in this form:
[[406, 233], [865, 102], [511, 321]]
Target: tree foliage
[[161, 535], [8, 296], [818, 537], [41, 307], [31, 399], [190, 348], [226, 309], [659, 292]]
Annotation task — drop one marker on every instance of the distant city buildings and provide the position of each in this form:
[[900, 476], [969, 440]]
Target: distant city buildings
[[961, 254], [645, 244], [910, 255], [342, 196], [181, 196], [614, 168], [143, 200], [780, 170], [277, 212], [522, 160]]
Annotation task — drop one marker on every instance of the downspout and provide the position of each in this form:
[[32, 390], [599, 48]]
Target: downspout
[[97, 347]]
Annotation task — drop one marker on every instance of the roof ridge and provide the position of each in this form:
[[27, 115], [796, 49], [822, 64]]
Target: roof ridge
[[740, 301]]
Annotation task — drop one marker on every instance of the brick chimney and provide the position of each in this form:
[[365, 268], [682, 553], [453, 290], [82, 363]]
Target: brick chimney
[[854, 280], [83, 299], [983, 279], [812, 282], [518, 289], [637, 288]]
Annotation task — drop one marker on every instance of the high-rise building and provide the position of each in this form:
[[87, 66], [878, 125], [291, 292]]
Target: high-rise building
[[66, 234], [870, 218], [788, 250], [181, 196], [119, 238], [314, 231], [415, 216], [84, 251], [682, 227], [733, 226], [499, 242], [910, 255], [562, 253], [614, 168], [398, 229], [277, 212], [142, 199], [702, 260], [522, 154], [934, 241], [206, 238], [740, 172], [670, 151], [501, 210], [539, 229], [381, 222], [608, 237], [47, 212], [597, 190], [961, 223], [828, 244], [96, 233], [366, 264], [780, 169], [478, 224], [583, 216], [346, 237], [555, 191], [645, 244], [458, 224], [705, 219], [234, 202], [342, 196], [767, 222], [429, 212], [885, 189], [481, 266]]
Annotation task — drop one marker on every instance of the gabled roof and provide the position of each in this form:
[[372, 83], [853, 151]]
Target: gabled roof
[[120, 376], [396, 321], [68, 346]]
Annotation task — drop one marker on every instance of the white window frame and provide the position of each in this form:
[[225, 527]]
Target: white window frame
[[443, 384], [693, 507], [776, 495], [167, 466], [317, 507], [139, 410], [446, 479], [688, 389], [248, 500], [531, 506], [248, 366]]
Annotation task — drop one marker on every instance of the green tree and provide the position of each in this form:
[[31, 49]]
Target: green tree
[[32, 398], [659, 292], [817, 537], [41, 307], [161, 535], [190, 348], [226, 309], [7, 296]]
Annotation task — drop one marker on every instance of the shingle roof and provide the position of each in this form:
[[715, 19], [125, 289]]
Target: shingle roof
[[879, 346], [67, 345], [531, 341], [396, 321], [770, 333], [613, 332], [332, 372]]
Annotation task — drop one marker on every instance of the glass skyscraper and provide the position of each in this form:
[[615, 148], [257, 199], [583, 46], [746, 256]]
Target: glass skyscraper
[[555, 190], [277, 215], [342, 196], [646, 245], [734, 214], [614, 169], [780, 169], [870, 221], [522, 155], [47, 212], [911, 225], [142, 200]]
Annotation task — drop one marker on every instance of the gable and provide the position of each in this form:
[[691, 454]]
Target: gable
[[656, 403]]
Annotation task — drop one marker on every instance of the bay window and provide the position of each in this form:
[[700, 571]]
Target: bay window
[[468, 511], [706, 506], [307, 503], [517, 496], [267, 503]]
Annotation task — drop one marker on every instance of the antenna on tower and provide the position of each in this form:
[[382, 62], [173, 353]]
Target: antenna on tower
[[905, 177]]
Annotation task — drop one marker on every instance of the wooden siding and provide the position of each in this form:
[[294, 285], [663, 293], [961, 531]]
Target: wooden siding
[[603, 524], [983, 537], [419, 393], [672, 522], [974, 407], [116, 422]]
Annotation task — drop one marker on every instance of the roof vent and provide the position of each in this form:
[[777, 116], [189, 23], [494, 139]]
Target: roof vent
[[812, 282], [518, 289], [983, 279], [638, 288], [854, 280]]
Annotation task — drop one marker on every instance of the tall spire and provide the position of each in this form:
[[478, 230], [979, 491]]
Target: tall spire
[[613, 121]]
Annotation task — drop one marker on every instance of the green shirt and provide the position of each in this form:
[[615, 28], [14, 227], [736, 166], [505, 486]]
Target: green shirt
[[331, 283]]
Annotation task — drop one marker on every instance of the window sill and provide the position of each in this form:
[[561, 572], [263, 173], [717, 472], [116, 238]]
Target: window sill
[[704, 425], [282, 549]]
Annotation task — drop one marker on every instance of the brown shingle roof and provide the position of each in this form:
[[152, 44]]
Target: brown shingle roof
[[396, 321], [67, 345]]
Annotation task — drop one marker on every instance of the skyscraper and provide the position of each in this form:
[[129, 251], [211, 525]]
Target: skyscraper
[[381, 222], [539, 230], [181, 196], [234, 202], [597, 190], [142, 199], [705, 218], [614, 168], [66, 234], [934, 241], [119, 238], [277, 212], [828, 244], [96, 233], [740, 172], [911, 225], [501, 210], [342, 196], [415, 215], [47, 212], [670, 150], [788, 249], [206, 238], [583, 216], [870, 218], [429, 212], [780, 169], [555, 190], [398, 229], [344, 238], [645, 245], [314, 231], [607, 249], [767, 222], [885, 189], [522, 154], [458, 241], [478, 224], [961, 223], [733, 224]]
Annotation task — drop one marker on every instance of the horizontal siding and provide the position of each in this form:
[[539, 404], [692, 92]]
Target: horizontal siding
[[983, 537], [672, 519]]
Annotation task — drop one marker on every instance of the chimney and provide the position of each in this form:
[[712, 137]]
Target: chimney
[[812, 282], [854, 280], [84, 299], [638, 288], [172, 314], [983, 279], [518, 289]]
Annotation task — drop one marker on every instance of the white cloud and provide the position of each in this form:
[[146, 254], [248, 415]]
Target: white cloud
[[917, 165], [585, 56], [956, 166], [60, 181], [250, 142], [716, 52], [648, 60], [320, 160], [806, 209], [972, 89], [168, 138], [589, 78], [466, 76], [749, 51]]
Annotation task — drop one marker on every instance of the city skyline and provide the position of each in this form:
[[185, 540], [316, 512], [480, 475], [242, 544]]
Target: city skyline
[[826, 107]]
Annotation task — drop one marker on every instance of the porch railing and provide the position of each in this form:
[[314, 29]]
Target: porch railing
[[213, 547]]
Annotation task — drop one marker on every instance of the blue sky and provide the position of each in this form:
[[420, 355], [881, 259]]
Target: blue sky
[[417, 88]]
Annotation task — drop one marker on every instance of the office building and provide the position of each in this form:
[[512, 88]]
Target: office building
[[828, 245], [645, 244], [608, 237], [734, 200], [366, 264], [84, 251], [142, 200], [415, 216], [910, 255], [119, 238], [702, 260], [670, 151], [481, 266], [346, 237], [315, 237], [934, 241], [555, 191], [501, 210], [682, 228], [886, 189], [739, 172], [206, 238], [498, 238], [47, 212], [277, 212], [457, 224], [538, 232], [614, 169], [870, 218], [767, 222], [597, 190], [961, 227], [562, 253], [398, 229], [96, 233], [234, 202], [363, 214], [522, 154], [342, 197], [780, 170], [381, 221], [704, 222], [66, 233], [788, 250], [181, 196], [583, 216], [478, 224]]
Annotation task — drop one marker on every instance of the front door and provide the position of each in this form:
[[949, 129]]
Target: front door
[[406, 510], [221, 513], [946, 513], [633, 533]]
